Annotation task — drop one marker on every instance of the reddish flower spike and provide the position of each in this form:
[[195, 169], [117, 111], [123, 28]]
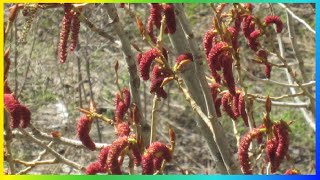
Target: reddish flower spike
[[157, 162], [123, 129], [147, 164], [145, 62], [234, 32], [102, 158], [136, 154], [158, 75], [74, 31], [185, 56], [168, 10], [226, 106], [267, 70], [126, 97], [208, 39], [242, 109], [262, 54], [64, 33], [228, 72], [20, 115], [83, 130], [213, 57], [159, 149], [235, 105], [150, 30], [94, 168], [274, 20], [244, 148], [155, 14], [114, 152]]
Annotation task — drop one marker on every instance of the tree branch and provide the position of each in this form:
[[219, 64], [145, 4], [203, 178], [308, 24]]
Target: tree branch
[[217, 129], [50, 150], [180, 44]]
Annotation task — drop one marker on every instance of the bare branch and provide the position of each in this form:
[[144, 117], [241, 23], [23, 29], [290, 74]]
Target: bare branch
[[179, 42], [217, 129], [131, 64], [60, 158], [297, 18]]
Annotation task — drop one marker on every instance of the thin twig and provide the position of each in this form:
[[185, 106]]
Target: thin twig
[[297, 18], [269, 81], [285, 104], [59, 157], [8, 141], [61, 140], [40, 156], [275, 98], [154, 118]]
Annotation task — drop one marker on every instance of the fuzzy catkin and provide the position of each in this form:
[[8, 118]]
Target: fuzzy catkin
[[83, 130]]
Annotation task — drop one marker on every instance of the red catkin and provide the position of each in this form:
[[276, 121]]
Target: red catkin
[[114, 152], [274, 20], [248, 6], [228, 72], [185, 56], [234, 32], [235, 105], [147, 164], [155, 14], [74, 31], [126, 97], [242, 109], [247, 26], [267, 70], [102, 158], [168, 10], [155, 154], [150, 30], [159, 149], [158, 75], [244, 148], [226, 98], [123, 129], [157, 162], [83, 130], [20, 115], [208, 39], [94, 168], [64, 33], [120, 111], [136, 154], [262, 54], [145, 62], [213, 57], [281, 130], [271, 148]]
